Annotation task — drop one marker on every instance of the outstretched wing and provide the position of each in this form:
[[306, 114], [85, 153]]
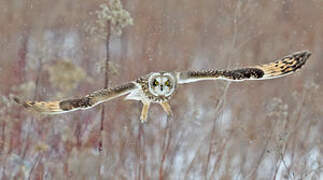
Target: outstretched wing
[[276, 69], [88, 101]]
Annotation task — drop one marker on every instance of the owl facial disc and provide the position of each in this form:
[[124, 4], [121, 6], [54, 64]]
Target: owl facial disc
[[161, 84]]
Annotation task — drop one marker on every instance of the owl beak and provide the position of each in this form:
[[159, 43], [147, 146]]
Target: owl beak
[[161, 87]]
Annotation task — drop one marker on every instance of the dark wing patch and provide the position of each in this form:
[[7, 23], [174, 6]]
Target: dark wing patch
[[238, 74], [70, 104], [244, 73]]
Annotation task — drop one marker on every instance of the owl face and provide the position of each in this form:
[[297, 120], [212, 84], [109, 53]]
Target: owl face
[[161, 84]]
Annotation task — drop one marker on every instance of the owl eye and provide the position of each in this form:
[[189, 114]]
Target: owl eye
[[167, 83], [155, 83]]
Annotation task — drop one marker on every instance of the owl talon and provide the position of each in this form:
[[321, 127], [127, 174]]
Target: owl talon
[[143, 118], [144, 112], [166, 107]]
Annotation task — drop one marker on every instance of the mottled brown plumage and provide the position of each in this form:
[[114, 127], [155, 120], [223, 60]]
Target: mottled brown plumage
[[159, 87], [88, 101], [276, 69]]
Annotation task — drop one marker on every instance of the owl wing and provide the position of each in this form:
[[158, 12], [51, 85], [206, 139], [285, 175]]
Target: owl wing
[[88, 101], [276, 69]]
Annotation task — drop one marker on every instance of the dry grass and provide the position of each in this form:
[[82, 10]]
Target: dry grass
[[252, 130]]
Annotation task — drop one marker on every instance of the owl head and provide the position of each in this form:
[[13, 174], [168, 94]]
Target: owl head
[[162, 84]]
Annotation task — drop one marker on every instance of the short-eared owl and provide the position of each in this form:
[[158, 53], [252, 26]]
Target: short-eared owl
[[159, 87]]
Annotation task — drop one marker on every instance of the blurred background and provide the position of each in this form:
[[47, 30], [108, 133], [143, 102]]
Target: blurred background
[[252, 130]]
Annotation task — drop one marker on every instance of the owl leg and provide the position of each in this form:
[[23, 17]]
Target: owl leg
[[144, 112], [166, 108]]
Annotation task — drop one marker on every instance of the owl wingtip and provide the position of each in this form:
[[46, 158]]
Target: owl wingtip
[[305, 53], [20, 102], [16, 99], [301, 57], [308, 53]]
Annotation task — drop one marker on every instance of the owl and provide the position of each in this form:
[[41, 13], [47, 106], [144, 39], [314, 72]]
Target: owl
[[160, 87]]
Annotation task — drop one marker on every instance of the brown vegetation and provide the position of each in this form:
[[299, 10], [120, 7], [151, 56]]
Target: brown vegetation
[[252, 130]]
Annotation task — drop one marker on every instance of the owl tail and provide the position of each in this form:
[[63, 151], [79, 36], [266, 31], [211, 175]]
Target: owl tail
[[285, 65]]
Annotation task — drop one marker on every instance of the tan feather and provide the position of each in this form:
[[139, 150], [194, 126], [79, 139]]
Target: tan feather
[[285, 65]]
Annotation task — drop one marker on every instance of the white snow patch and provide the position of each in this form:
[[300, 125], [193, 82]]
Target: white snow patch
[[70, 45], [178, 163], [313, 159], [225, 120], [282, 167], [266, 167]]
